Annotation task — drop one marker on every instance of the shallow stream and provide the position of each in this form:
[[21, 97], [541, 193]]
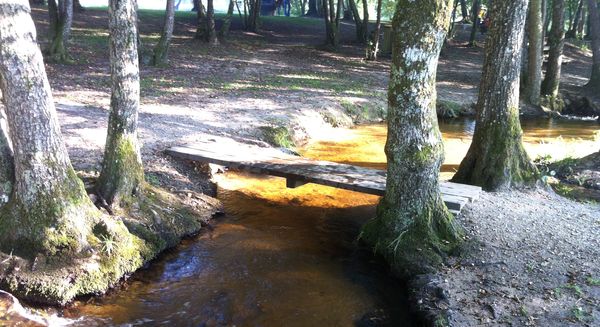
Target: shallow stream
[[289, 256]]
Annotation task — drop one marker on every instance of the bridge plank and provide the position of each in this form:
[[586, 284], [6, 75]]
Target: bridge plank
[[299, 171]]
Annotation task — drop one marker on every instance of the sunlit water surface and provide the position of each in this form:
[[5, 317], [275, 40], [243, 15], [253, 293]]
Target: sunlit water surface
[[288, 257]]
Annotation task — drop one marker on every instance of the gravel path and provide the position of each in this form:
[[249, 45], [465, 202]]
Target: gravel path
[[533, 260]]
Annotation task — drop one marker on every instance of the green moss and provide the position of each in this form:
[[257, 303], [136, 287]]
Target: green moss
[[278, 136], [413, 241], [122, 170]]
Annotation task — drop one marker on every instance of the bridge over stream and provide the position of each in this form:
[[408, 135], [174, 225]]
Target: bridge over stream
[[299, 171]]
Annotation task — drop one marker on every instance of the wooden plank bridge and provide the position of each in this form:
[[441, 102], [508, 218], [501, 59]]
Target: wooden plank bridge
[[299, 171]]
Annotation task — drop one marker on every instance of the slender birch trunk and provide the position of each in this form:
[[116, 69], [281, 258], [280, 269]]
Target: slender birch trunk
[[161, 50]]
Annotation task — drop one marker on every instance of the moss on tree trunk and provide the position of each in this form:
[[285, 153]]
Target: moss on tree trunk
[[61, 18], [556, 41], [413, 228], [594, 24], [161, 50], [122, 170], [496, 158], [224, 31], [49, 211], [534, 63]]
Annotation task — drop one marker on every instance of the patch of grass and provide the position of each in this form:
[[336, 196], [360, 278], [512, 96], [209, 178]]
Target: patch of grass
[[580, 315], [363, 112], [575, 288], [152, 179], [450, 109], [591, 281], [278, 136]]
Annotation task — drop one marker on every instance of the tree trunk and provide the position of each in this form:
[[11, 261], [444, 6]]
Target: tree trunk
[[7, 163], [365, 21], [572, 33], [253, 23], [534, 62], [581, 23], [312, 8], [463, 10], [49, 211], [361, 34], [373, 46], [201, 17], [122, 171], [224, 32], [77, 6], [61, 19], [496, 158], [211, 32], [556, 40], [332, 22], [594, 82], [161, 49], [414, 229], [475, 15]]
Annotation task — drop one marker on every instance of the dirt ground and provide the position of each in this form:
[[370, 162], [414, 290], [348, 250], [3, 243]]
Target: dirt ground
[[536, 256]]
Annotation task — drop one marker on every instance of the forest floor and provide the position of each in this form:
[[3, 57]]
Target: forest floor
[[536, 259]]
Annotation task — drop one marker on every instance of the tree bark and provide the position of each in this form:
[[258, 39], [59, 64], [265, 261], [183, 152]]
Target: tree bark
[[361, 34], [224, 31], [332, 22], [49, 211], [594, 82], [122, 171], [534, 62], [373, 46], [211, 32], [7, 162], [556, 41], [253, 23], [161, 50], [313, 9], [464, 11], [77, 7], [61, 19], [413, 229], [572, 33], [496, 159], [201, 20], [475, 15]]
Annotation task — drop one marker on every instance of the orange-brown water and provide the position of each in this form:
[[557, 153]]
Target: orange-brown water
[[288, 257]]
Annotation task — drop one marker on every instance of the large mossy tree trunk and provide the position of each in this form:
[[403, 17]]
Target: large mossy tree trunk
[[332, 18], [413, 228], [122, 170], [535, 23], [211, 32], [161, 50], [61, 19], [594, 82], [7, 163], [556, 41], [373, 46], [224, 31], [49, 211], [496, 158]]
